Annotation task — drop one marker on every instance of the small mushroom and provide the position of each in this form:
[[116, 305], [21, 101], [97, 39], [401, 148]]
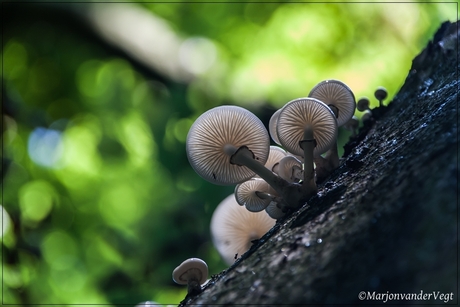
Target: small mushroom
[[276, 154], [290, 169], [307, 127], [367, 118], [381, 94], [363, 104], [352, 125], [255, 194], [233, 228], [338, 96], [192, 272]]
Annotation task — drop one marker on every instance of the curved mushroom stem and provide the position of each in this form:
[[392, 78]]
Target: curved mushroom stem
[[291, 193], [264, 195], [308, 145], [325, 166]]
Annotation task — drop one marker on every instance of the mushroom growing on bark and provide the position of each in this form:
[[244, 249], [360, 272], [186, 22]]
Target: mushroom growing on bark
[[307, 127], [233, 228], [192, 272], [229, 145], [340, 98], [381, 94]]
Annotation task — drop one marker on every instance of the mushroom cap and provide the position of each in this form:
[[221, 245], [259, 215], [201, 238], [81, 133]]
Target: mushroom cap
[[245, 194], [380, 93], [273, 211], [272, 126], [210, 136], [300, 113], [191, 268], [338, 94], [275, 155], [233, 228], [363, 104], [290, 168]]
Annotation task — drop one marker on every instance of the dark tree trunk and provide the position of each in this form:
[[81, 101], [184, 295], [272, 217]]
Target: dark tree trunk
[[386, 222]]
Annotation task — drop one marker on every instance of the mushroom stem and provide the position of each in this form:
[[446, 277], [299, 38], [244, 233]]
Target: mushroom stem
[[292, 194], [244, 156], [308, 145], [325, 166], [193, 287]]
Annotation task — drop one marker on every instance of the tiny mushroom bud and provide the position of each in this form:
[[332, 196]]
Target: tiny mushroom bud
[[233, 228], [363, 104], [367, 117], [381, 94], [192, 272], [352, 125]]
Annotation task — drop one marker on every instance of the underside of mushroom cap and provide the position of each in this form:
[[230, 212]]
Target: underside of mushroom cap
[[218, 131], [245, 194], [191, 268], [301, 113], [233, 228], [338, 94]]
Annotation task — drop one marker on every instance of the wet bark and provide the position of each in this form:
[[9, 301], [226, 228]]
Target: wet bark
[[386, 221]]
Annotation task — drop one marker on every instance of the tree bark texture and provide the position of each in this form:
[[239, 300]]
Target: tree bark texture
[[386, 221]]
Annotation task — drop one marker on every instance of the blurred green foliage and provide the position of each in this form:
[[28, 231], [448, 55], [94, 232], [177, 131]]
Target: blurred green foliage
[[101, 203]]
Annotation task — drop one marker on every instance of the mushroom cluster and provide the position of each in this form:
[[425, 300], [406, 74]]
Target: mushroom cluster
[[363, 104], [229, 145]]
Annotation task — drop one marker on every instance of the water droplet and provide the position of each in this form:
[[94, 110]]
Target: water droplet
[[253, 273], [307, 244], [319, 241]]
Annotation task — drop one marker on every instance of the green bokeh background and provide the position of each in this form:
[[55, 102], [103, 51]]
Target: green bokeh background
[[100, 201]]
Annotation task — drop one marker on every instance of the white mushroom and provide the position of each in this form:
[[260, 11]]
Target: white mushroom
[[255, 194], [307, 127], [233, 228], [215, 138], [338, 96], [290, 169], [192, 272]]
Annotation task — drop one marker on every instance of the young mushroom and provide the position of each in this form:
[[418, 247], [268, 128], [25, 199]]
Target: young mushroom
[[233, 228], [352, 125], [381, 94], [307, 127], [192, 272], [363, 104]]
